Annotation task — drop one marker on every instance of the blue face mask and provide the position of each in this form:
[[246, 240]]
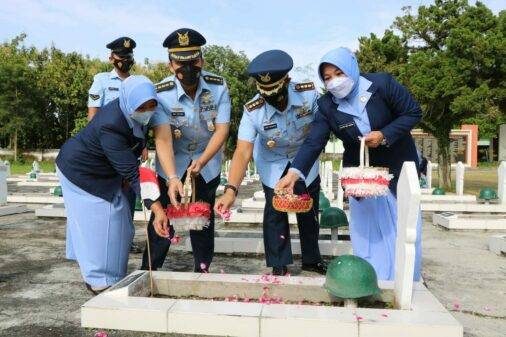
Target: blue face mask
[[142, 117]]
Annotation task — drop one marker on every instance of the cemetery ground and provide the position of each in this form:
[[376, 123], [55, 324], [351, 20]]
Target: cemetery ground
[[41, 292]]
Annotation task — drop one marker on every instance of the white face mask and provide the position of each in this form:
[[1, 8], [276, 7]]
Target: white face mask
[[340, 86], [142, 117]]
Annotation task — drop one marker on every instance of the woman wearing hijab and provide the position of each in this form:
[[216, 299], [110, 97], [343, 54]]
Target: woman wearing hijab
[[92, 167], [377, 107]]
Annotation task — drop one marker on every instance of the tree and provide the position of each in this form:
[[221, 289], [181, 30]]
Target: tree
[[232, 66], [17, 93], [451, 57]]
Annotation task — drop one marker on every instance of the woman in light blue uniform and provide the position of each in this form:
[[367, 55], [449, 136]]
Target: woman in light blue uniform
[[376, 107], [91, 167]]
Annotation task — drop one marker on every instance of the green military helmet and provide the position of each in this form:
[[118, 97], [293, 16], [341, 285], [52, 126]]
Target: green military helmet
[[58, 191], [333, 217], [223, 181], [324, 202], [350, 277], [487, 194], [438, 191], [138, 204]]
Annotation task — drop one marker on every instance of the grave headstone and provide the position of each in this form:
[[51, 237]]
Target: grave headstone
[[501, 182], [459, 178], [408, 208], [8, 165], [3, 184], [35, 166], [429, 174], [502, 142]]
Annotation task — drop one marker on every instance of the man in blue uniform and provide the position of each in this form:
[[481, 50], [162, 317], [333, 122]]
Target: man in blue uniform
[[196, 104], [105, 88], [273, 126]]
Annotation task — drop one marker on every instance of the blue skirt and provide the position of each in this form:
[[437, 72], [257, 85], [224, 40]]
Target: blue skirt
[[373, 232], [99, 233]]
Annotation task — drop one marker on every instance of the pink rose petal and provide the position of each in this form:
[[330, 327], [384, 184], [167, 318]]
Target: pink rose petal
[[456, 306], [487, 309], [100, 334], [203, 266], [359, 318]]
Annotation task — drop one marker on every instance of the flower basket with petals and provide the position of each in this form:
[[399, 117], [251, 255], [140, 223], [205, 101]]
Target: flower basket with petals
[[189, 215], [291, 203], [365, 181]]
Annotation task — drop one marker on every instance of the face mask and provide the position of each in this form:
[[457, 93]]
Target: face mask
[[142, 117], [340, 86], [190, 74], [277, 100], [124, 65]]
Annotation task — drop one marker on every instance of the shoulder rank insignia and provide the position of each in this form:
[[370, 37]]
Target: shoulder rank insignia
[[255, 104], [164, 86], [94, 97], [213, 79], [304, 86]]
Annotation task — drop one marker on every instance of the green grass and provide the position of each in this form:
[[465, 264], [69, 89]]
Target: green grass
[[22, 168], [474, 180]]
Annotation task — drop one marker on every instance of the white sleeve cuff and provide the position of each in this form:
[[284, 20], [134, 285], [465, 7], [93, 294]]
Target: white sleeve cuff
[[298, 172]]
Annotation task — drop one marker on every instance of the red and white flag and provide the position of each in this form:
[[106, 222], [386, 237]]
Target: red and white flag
[[149, 184]]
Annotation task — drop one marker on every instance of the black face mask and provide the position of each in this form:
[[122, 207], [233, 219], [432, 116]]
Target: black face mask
[[124, 65], [278, 100], [190, 74]]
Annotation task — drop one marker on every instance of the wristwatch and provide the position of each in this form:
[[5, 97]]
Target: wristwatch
[[232, 187], [175, 176]]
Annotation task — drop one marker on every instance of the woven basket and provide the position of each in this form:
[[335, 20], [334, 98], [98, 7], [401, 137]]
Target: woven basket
[[290, 203], [189, 215], [365, 181]]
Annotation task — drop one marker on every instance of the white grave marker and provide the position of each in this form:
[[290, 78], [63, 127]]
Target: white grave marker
[[3, 184], [459, 178], [429, 174], [501, 182], [408, 207]]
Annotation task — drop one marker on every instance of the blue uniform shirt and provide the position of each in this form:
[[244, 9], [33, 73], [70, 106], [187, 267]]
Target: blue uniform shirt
[[261, 123], [194, 120], [104, 89]]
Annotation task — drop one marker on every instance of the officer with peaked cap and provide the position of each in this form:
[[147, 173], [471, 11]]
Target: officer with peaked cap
[[273, 126], [196, 104]]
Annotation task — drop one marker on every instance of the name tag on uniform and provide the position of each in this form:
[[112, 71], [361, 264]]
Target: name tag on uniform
[[113, 89], [177, 113], [344, 126], [270, 126]]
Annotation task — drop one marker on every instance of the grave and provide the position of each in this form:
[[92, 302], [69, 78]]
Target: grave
[[451, 220], [222, 305], [6, 209], [497, 244], [57, 210], [457, 205]]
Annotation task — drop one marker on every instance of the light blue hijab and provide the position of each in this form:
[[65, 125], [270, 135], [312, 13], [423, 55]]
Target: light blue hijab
[[354, 103], [344, 59], [135, 90]]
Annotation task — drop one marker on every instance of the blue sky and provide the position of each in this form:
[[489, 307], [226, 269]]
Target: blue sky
[[304, 29]]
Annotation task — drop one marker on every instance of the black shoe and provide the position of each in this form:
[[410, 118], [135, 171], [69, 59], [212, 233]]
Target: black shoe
[[320, 267], [95, 291], [279, 271], [135, 249]]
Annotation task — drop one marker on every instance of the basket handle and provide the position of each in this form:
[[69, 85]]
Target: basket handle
[[364, 153]]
